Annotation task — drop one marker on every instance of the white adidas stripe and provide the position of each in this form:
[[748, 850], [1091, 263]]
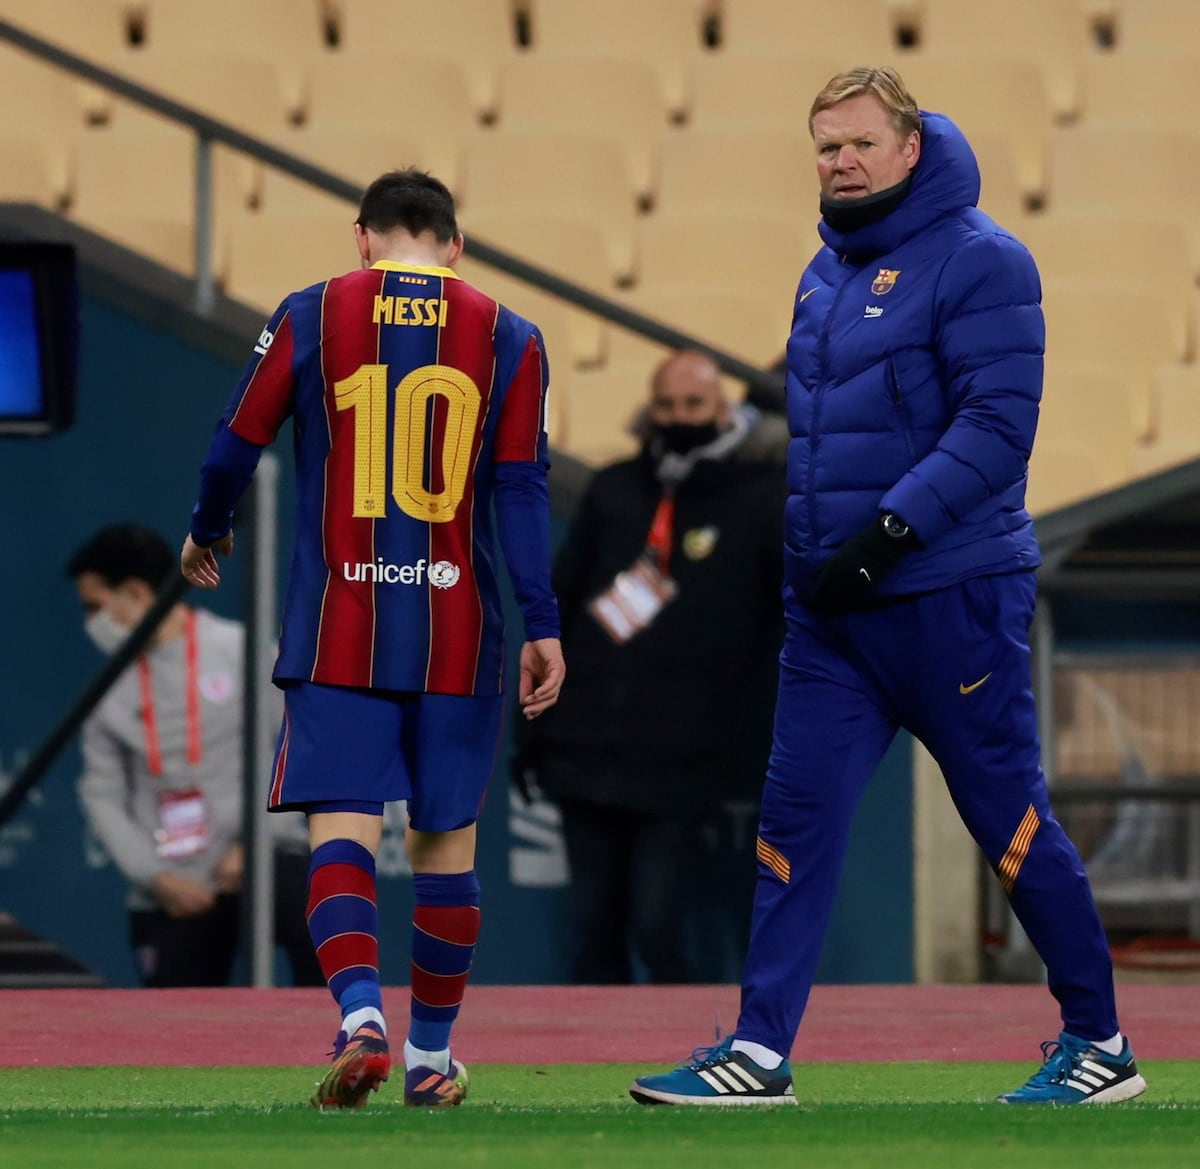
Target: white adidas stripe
[[1087, 1077], [1098, 1068], [713, 1081], [751, 1082]]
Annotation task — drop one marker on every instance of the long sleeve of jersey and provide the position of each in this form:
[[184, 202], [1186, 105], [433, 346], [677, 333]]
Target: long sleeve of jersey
[[523, 524]]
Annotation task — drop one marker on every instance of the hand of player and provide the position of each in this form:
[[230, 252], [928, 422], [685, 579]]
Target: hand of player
[[182, 896], [199, 565], [542, 674]]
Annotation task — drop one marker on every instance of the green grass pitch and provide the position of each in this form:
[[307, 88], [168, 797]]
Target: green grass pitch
[[559, 1116]]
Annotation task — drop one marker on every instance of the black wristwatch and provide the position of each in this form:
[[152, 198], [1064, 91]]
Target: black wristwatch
[[893, 526]]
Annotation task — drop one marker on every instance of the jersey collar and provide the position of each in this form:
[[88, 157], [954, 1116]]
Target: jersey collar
[[395, 266]]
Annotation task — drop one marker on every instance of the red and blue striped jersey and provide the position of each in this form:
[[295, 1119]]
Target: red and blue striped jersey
[[407, 387]]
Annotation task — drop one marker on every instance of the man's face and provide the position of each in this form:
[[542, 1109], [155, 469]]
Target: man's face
[[126, 602], [858, 149], [687, 391]]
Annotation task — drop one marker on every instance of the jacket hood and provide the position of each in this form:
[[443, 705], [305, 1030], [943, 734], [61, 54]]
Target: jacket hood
[[945, 180]]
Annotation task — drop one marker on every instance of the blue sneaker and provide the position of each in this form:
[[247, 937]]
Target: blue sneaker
[[1075, 1072], [720, 1076]]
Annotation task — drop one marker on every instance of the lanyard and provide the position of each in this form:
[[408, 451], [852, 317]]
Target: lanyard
[[192, 696], [661, 533]]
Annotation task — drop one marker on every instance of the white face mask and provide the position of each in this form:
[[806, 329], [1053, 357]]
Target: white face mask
[[106, 631]]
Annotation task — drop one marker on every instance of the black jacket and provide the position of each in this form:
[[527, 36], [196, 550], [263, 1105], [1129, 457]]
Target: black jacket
[[679, 717]]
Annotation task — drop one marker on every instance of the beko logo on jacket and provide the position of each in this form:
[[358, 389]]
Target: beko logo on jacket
[[442, 574]]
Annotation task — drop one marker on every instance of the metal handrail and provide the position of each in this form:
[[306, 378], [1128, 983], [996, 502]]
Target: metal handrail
[[209, 130]]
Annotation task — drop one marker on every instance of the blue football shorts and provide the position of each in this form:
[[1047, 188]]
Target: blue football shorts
[[345, 749]]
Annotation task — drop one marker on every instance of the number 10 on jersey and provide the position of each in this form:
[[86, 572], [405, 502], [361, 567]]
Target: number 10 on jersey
[[365, 392]]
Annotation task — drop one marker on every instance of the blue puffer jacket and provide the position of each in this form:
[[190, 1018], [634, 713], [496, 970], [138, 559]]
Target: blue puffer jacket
[[914, 374]]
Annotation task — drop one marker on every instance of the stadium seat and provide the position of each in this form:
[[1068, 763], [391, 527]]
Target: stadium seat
[[726, 170], [1084, 177], [758, 89], [1157, 26], [573, 336], [747, 254], [1065, 472], [1177, 404], [570, 246], [479, 34], [140, 172], [246, 91], [37, 98], [427, 96], [603, 404], [1000, 195], [665, 35], [1144, 254], [1126, 330], [282, 195], [363, 155], [571, 174], [1001, 98], [1052, 33], [588, 94], [289, 31], [1093, 404], [1157, 90], [33, 171], [856, 31], [752, 327], [271, 256]]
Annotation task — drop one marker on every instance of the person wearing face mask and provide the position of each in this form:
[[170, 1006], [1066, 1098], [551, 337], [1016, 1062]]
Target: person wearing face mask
[[162, 781], [668, 587], [914, 373]]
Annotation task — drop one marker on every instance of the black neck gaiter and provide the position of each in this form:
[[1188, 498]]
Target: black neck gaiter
[[850, 214]]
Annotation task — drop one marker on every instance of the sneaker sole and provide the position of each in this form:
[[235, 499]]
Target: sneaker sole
[[350, 1085], [651, 1096]]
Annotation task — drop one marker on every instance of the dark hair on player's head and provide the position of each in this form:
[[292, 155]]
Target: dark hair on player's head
[[411, 199], [124, 552]]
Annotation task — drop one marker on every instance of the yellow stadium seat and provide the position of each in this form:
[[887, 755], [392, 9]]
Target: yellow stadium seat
[[479, 34], [759, 89], [570, 246], [282, 195], [603, 404], [1092, 404], [1052, 33], [1177, 403], [415, 97], [555, 173], [288, 31], [588, 94], [1066, 472], [362, 156], [747, 254], [36, 98], [33, 171], [1000, 195], [1143, 254], [247, 91], [722, 170], [1125, 330], [666, 34], [271, 256], [1157, 26], [1158, 91], [1005, 99], [751, 327], [858, 32], [573, 336], [1085, 177], [98, 30]]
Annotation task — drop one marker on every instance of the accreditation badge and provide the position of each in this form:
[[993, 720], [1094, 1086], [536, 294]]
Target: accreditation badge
[[183, 824], [633, 600]]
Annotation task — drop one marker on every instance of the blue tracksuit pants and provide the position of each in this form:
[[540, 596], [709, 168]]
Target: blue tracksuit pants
[[953, 668]]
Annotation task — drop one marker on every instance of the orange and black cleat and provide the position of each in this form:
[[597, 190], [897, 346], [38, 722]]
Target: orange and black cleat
[[360, 1064], [427, 1088]]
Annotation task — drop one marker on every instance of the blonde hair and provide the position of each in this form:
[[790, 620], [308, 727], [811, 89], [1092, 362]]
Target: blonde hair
[[884, 82]]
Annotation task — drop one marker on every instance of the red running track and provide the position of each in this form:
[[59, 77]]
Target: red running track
[[543, 1024]]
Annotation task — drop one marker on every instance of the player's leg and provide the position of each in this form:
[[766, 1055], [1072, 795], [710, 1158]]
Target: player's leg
[[339, 760], [450, 744], [979, 720], [831, 731]]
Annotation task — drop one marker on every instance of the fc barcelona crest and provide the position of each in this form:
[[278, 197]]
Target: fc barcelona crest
[[885, 281]]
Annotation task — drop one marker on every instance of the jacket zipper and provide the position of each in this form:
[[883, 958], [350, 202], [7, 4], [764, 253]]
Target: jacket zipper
[[901, 412]]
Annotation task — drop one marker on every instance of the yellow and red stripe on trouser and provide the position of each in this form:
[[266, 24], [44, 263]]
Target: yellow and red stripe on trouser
[[445, 929], [774, 860], [1010, 864]]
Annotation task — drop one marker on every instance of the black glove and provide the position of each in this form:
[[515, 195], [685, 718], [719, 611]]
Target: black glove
[[848, 578]]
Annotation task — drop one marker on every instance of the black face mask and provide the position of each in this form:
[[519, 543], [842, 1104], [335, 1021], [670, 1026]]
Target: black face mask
[[680, 438], [851, 214]]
